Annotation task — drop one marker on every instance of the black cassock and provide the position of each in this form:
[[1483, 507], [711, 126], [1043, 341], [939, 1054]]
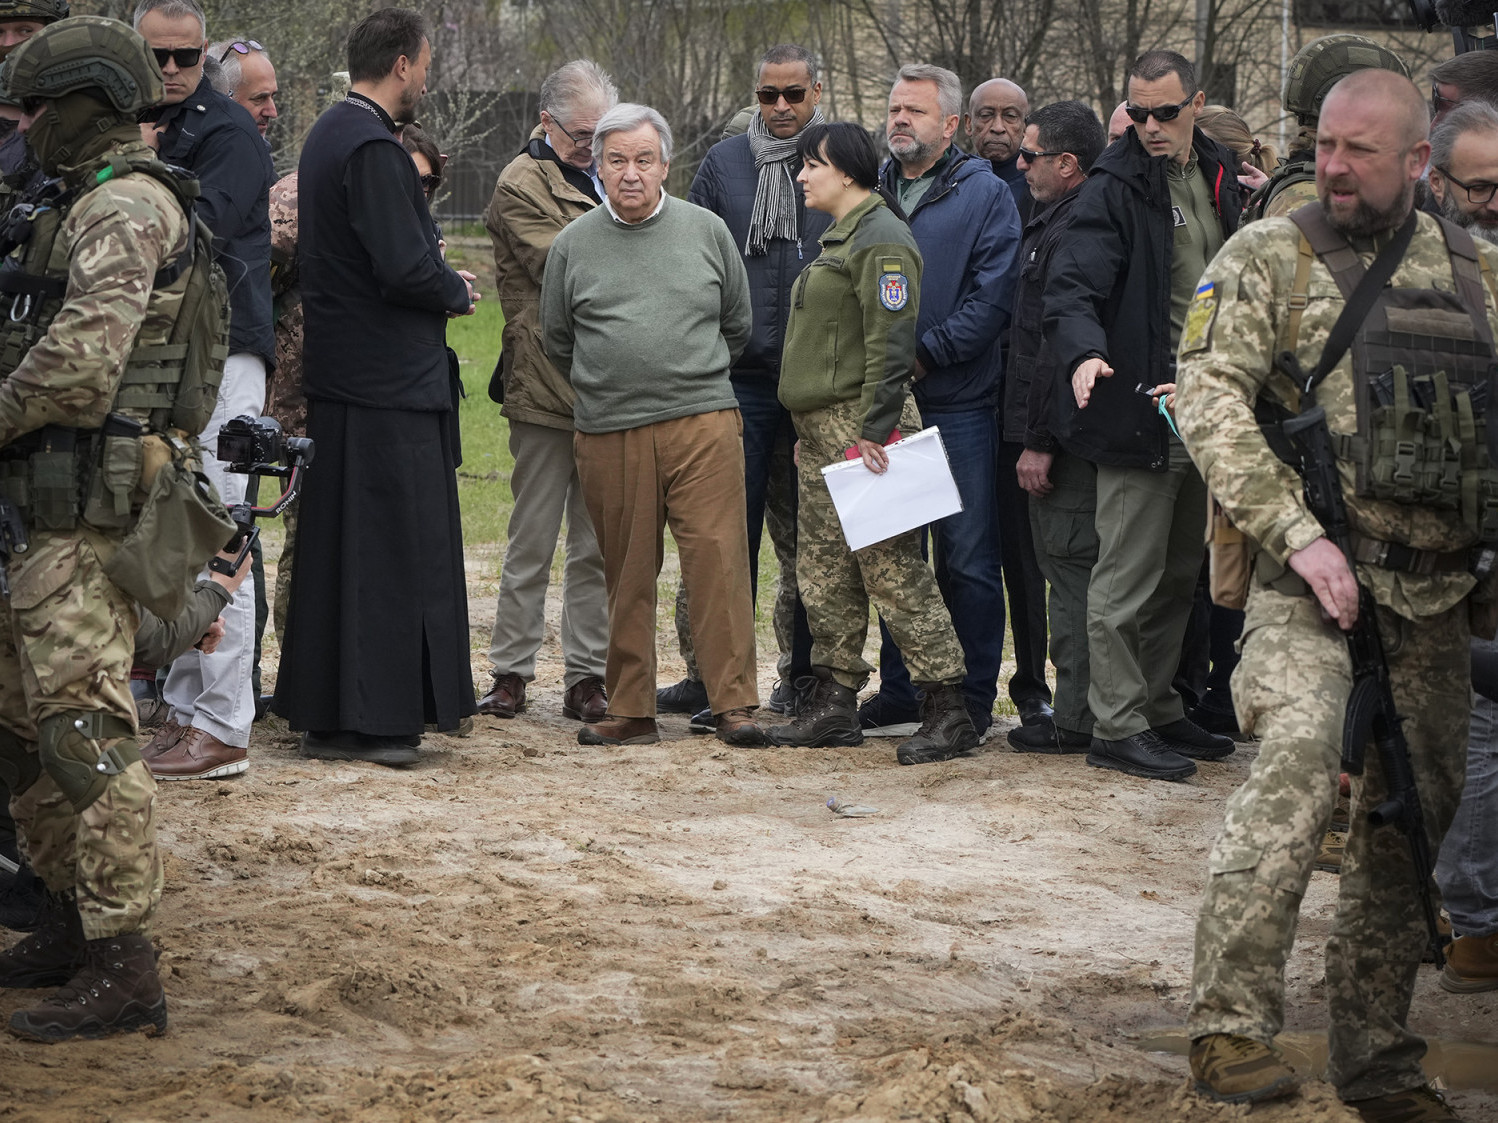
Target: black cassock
[[377, 630]]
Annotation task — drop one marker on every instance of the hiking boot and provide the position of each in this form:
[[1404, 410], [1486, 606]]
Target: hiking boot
[[506, 697], [1414, 1105], [586, 700], [51, 955], [1471, 964], [1048, 737], [686, 697], [1329, 857], [163, 739], [23, 900], [199, 755], [1191, 740], [116, 991], [828, 715], [738, 727], [614, 730], [1341, 814], [784, 699], [1143, 754], [882, 717], [947, 731], [1239, 1070]]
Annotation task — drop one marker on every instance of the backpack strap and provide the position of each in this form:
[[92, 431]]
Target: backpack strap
[[1340, 259], [1299, 294]]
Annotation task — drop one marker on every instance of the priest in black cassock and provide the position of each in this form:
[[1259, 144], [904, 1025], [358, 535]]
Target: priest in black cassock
[[376, 642]]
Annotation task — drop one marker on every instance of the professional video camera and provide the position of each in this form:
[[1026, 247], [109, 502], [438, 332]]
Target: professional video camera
[[1473, 23], [255, 447]]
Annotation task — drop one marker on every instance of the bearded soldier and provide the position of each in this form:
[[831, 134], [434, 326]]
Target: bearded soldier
[[88, 426]]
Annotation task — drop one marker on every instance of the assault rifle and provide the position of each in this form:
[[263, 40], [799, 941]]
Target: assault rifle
[[1371, 711]]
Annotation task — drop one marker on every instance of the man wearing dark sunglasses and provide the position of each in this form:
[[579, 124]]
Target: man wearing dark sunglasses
[[196, 127], [1157, 206]]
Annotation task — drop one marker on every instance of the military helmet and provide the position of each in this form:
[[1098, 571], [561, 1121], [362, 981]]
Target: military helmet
[[84, 53], [44, 10], [1322, 63]]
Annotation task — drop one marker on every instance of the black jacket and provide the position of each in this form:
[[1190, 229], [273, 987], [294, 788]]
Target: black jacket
[[214, 137], [374, 286], [1010, 172], [1108, 295], [725, 184], [1031, 376]]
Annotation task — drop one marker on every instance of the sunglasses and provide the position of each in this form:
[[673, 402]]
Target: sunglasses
[[1031, 157], [185, 57], [1162, 113], [430, 183], [239, 46], [769, 95]]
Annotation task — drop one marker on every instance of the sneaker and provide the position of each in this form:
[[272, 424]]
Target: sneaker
[[702, 721], [1048, 738], [1143, 754], [1239, 1070], [1471, 964], [947, 731], [686, 697], [614, 730], [738, 727], [1191, 740], [784, 699], [1414, 1105], [116, 991], [828, 715], [880, 717], [199, 755], [506, 697]]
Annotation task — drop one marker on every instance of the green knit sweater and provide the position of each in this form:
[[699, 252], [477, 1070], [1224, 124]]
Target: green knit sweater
[[644, 320]]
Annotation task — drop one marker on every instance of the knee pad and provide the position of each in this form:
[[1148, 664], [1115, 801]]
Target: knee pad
[[19, 765], [74, 756]]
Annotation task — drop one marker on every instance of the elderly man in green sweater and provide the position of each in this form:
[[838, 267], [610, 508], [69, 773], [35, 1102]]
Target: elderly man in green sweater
[[644, 307]]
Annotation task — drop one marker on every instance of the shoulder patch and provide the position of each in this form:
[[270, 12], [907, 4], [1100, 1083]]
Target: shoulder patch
[[1196, 335], [894, 291]]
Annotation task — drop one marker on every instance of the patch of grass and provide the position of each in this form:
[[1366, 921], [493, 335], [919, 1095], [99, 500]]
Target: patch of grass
[[484, 479]]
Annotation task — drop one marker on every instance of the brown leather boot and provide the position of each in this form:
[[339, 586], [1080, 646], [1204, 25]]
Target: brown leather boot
[[199, 755], [506, 697], [51, 955], [614, 730], [586, 700], [738, 727], [116, 991]]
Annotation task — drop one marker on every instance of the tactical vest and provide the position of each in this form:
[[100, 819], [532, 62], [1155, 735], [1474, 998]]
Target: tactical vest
[[1422, 363], [1286, 175], [168, 387]]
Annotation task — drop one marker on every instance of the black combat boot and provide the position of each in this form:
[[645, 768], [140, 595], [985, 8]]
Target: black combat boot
[[828, 715], [116, 991], [51, 955], [947, 730]]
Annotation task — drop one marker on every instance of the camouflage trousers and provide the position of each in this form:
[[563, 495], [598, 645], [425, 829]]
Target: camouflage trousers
[[1291, 690], [66, 646], [837, 584]]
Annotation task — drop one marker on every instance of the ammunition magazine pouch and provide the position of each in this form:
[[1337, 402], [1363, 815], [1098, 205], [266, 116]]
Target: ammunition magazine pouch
[[73, 754]]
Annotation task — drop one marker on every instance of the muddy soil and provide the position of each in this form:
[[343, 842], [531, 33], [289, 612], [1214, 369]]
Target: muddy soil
[[523, 928]]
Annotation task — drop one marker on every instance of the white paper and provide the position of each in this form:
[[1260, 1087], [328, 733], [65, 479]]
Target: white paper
[[917, 488]]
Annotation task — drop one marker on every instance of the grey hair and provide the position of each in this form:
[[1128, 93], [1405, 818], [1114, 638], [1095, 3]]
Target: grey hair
[[1464, 117], [171, 9], [581, 82], [948, 85], [626, 117], [228, 69]]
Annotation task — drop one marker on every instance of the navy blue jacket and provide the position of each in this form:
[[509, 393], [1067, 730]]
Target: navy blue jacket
[[1108, 295], [968, 232], [725, 184], [214, 137]]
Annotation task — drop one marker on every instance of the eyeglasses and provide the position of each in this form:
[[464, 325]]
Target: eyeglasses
[[1437, 102], [430, 183], [1477, 193], [582, 140], [239, 46], [769, 95], [185, 57], [1031, 157], [1139, 115]]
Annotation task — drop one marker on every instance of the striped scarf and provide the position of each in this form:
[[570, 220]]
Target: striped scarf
[[775, 198]]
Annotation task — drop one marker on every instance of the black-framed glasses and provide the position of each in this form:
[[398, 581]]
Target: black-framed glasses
[[431, 182], [1031, 157], [769, 95], [185, 57], [1139, 115], [1477, 193], [239, 47], [582, 140]]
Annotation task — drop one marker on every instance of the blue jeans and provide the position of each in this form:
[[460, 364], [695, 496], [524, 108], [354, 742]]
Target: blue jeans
[[1467, 867], [968, 565]]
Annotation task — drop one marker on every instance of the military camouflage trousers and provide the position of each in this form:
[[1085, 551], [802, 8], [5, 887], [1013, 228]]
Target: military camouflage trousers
[[1291, 690], [66, 645], [837, 585]]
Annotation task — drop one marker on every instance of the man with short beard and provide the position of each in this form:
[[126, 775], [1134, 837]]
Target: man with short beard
[[1292, 686], [245, 74], [1464, 168]]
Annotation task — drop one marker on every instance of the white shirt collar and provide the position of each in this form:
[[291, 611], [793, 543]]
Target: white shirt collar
[[622, 222]]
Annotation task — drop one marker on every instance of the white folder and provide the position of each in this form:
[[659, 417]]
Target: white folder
[[917, 488]]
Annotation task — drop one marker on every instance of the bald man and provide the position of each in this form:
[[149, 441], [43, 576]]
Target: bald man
[[1292, 686], [995, 124], [1119, 123]]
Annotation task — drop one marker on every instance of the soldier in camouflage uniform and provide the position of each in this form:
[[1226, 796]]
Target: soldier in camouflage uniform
[[1292, 686], [84, 800], [284, 399]]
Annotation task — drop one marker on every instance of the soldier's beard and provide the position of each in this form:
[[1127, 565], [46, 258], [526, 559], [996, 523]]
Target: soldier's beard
[[1364, 220], [1450, 209]]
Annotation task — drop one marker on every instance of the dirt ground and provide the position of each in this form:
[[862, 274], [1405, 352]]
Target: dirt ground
[[523, 928]]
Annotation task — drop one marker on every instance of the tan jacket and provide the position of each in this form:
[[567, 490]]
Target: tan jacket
[[532, 203]]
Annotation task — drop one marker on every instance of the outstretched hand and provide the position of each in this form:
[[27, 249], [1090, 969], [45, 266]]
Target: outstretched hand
[[1085, 376]]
